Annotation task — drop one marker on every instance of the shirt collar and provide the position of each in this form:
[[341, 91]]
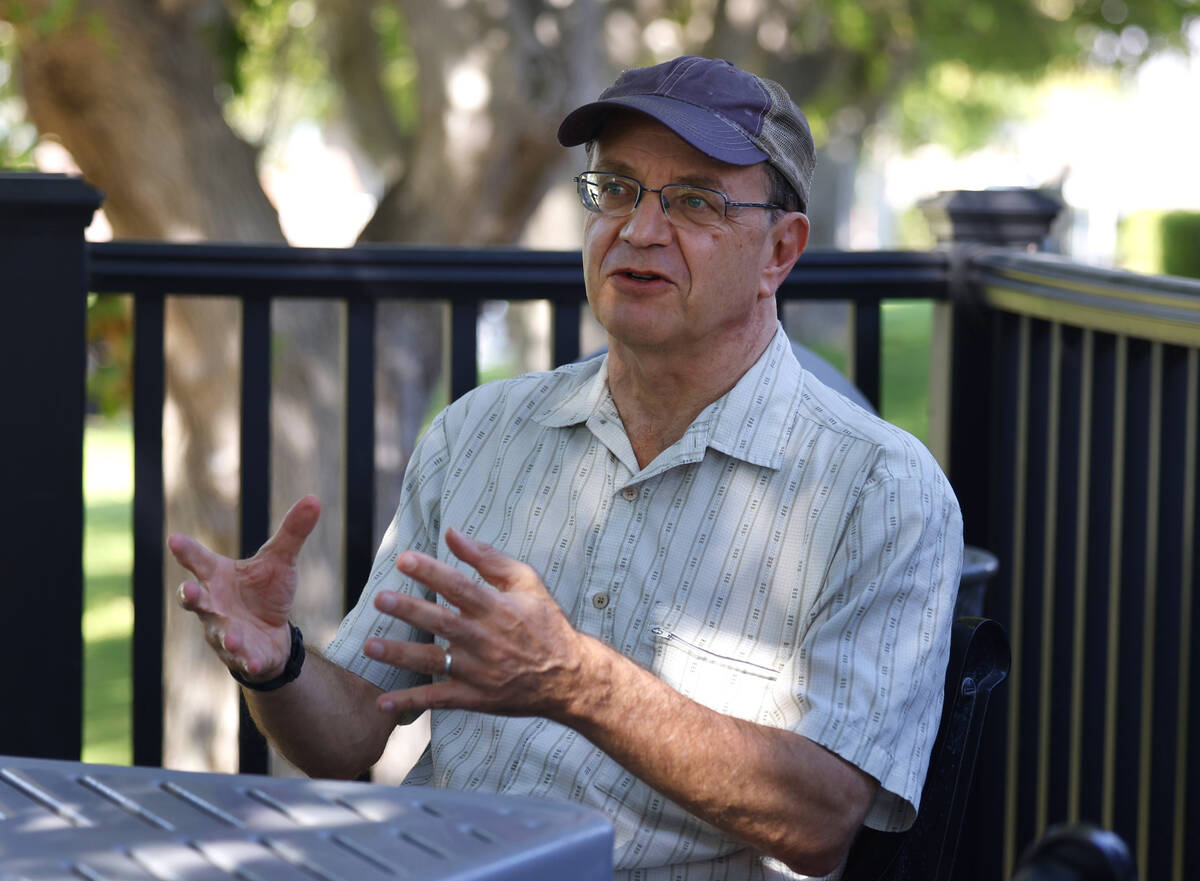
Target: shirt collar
[[583, 394], [752, 421]]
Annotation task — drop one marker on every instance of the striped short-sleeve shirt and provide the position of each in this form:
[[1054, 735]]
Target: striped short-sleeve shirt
[[791, 560]]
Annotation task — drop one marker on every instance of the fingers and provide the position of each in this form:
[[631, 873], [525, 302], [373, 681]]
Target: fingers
[[235, 650], [442, 578], [297, 525], [422, 614], [497, 569], [217, 631], [513, 651], [438, 695], [238, 647], [419, 657], [232, 642], [194, 598], [193, 556]]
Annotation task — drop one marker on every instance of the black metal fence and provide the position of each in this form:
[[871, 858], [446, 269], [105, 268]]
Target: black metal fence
[[1093, 512], [1069, 398]]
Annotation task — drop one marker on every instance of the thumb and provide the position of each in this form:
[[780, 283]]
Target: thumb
[[297, 525]]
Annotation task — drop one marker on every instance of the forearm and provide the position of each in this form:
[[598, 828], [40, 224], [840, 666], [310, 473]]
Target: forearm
[[325, 722], [778, 791]]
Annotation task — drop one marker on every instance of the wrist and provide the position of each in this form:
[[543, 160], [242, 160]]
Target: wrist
[[591, 693], [291, 669]]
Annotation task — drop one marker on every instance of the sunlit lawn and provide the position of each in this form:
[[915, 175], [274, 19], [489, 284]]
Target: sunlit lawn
[[905, 385], [108, 609], [108, 549], [904, 390]]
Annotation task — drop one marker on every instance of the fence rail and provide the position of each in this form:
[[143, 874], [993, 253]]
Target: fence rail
[[1073, 397]]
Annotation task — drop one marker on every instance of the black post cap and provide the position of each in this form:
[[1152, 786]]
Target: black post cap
[[29, 196], [1010, 217]]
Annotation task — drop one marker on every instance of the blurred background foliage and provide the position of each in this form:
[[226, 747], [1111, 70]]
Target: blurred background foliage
[[18, 135], [940, 72], [1166, 242], [110, 355]]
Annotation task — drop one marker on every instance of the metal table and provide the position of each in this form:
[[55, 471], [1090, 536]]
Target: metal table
[[67, 820]]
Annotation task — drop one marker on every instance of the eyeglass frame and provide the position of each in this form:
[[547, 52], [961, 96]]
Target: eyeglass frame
[[662, 201]]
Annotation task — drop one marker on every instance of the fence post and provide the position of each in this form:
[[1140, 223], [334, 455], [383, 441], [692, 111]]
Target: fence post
[[965, 222], [43, 282]]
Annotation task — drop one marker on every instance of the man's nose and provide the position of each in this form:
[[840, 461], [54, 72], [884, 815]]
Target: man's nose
[[648, 224]]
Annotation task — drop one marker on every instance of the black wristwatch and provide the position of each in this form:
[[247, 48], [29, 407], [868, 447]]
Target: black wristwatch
[[290, 670]]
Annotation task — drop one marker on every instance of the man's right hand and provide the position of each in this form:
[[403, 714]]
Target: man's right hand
[[244, 604]]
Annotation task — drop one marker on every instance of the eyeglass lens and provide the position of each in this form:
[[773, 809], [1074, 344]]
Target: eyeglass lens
[[615, 195]]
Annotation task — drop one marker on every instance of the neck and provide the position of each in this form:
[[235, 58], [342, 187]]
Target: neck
[[659, 394]]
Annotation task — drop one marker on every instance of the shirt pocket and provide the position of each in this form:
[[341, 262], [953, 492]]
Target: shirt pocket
[[721, 682]]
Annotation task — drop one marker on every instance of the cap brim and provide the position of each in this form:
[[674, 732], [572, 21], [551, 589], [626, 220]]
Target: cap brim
[[712, 135]]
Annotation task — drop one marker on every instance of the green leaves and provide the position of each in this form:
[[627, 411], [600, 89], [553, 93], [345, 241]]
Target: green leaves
[[110, 354], [17, 134], [57, 15], [957, 106]]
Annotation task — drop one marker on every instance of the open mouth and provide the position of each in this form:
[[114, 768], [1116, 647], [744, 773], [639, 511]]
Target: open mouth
[[643, 276]]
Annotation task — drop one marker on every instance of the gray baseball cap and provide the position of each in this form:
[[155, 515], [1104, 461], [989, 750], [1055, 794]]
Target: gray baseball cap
[[721, 110]]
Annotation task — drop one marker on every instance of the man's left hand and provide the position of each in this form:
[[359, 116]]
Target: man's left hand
[[512, 650]]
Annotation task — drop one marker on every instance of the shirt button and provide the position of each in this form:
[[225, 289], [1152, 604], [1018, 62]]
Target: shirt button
[[630, 493], [600, 600]]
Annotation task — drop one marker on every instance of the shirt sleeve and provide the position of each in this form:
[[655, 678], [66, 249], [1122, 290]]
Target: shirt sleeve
[[873, 659], [416, 526]]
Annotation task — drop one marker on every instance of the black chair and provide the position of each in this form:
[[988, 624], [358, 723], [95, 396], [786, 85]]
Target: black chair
[[979, 661], [1077, 852]]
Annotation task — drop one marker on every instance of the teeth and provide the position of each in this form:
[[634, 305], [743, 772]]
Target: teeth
[[642, 277]]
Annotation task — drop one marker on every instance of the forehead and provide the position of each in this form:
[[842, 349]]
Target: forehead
[[637, 144]]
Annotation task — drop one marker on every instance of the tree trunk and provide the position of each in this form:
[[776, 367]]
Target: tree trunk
[[131, 97], [490, 95], [127, 87]]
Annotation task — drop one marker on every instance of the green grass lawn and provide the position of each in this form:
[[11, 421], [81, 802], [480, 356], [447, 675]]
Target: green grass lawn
[[907, 327], [108, 607], [904, 391], [108, 543]]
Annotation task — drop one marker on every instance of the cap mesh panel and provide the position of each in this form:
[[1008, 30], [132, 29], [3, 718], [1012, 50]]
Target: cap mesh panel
[[786, 139]]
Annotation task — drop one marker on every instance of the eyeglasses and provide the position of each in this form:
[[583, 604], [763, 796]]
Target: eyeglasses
[[615, 195]]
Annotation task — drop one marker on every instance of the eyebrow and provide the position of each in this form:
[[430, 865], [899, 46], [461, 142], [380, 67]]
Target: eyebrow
[[615, 166]]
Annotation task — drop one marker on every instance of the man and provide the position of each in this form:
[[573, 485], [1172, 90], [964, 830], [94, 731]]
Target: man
[[685, 583]]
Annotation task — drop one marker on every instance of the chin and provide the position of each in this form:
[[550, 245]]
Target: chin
[[639, 335]]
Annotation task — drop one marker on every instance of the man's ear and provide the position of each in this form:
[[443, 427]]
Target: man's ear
[[787, 240]]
